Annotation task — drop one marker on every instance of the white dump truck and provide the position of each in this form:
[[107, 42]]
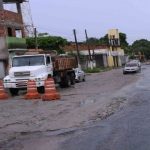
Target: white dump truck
[[39, 67]]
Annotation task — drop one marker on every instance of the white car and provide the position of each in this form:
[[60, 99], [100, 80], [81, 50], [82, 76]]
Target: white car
[[79, 75], [133, 66]]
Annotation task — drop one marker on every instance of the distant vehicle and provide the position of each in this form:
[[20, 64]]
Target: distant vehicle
[[132, 66], [136, 61], [79, 75]]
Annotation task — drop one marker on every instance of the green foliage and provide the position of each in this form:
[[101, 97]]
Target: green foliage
[[47, 43], [142, 46], [123, 40], [128, 50], [43, 34], [97, 70], [104, 40], [132, 57], [94, 70], [93, 41]]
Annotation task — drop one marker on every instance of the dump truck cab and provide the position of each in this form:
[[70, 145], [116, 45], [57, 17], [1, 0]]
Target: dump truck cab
[[28, 67], [39, 67]]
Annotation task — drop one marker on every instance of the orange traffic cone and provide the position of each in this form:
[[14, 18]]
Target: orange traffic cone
[[3, 94], [32, 90], [50, 91]]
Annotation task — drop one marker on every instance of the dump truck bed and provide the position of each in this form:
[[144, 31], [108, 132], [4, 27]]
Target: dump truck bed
[[64, 63]]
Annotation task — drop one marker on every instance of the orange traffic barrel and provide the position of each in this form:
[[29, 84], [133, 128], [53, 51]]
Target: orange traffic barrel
[[50, 91], [32, 92], [3, 94]]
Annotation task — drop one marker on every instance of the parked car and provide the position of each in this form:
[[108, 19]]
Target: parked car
[[136, 61], [132, 66], [79, 75]]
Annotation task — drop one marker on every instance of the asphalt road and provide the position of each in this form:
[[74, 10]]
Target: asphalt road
[[127, 129], [107, 112]]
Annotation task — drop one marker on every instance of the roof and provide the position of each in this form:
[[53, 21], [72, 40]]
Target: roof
[[14, 1], [29, 55], [82, 47]]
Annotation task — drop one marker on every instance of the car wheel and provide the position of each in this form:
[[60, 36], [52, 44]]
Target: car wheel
[[83, 79], [79, 79], [66, 82], [124, 72]]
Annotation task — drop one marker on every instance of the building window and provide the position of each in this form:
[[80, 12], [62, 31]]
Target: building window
[[9, 30], [18, 33], [47, 60]]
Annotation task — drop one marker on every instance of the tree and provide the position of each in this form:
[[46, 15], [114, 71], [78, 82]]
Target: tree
[[123, 40], [104, 40], [142, 46], [93, 41], [47, 43], [43, 34], [128, 50]]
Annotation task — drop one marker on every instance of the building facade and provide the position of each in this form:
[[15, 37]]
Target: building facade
[[98, 53], [11, 33], [116, 54], [103, 56]]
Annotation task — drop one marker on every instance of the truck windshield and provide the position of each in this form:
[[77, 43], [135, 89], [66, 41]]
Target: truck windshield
[[28, 61]]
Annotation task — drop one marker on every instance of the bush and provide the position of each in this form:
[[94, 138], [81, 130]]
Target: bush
[[97, 70], [94, 70]]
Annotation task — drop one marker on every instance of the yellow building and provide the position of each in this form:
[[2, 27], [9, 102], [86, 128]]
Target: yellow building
[[115, 52]]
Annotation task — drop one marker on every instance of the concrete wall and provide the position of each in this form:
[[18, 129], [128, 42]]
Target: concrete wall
[[2, 31], [105, 60], [3, 58], [84, 62], [12, 20], [2, 69], [113, 33], [99, 60], [3, 49]]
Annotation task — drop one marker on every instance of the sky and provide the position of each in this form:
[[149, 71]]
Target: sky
[[60, 17]]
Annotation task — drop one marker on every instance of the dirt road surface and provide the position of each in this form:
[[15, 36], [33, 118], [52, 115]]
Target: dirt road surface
[[82, 104]]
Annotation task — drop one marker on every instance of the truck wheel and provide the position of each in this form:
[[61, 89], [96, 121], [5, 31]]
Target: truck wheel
[[66, 82], [13, 91], [41, 89], [73, 82], [72, 79]]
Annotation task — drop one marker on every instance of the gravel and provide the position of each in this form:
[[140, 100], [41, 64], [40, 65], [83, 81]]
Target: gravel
[[82, 104]]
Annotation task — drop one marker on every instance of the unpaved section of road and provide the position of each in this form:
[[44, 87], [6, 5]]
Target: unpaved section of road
[[82, 104]]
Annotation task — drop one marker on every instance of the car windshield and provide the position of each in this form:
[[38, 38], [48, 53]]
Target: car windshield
[[28, 61], [131, 65]]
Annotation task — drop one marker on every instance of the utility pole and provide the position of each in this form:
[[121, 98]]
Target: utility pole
[[27, 18], [87, 41], [35, 36], [77, 47], [90, 62]]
